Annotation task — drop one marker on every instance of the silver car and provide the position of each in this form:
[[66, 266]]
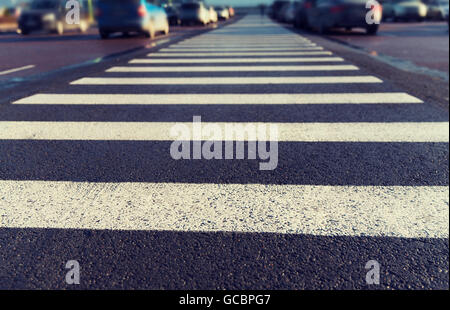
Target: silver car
[[194, 13]]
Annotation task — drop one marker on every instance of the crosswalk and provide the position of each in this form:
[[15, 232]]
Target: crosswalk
[[390, 186]]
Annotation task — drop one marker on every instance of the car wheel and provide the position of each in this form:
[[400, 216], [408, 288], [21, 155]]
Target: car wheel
[[372, 29]]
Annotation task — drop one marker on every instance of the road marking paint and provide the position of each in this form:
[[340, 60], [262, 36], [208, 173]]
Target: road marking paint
[[230, 46], [16, 69], [239, 49], [287, 132], [234, 68], [229, 80], [207, 99], [393, 211], [236, 60], [308, 53]]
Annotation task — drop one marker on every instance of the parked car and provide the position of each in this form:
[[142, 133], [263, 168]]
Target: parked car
[[434, 9], [289, 12], [173, 15], [408, 10], [194, 13], [125, 16], [279, 15], [327, 14], [301, 13], [223, 13], [275, 8], [443, 4], [50, 16], [213, 17], [231, 11]]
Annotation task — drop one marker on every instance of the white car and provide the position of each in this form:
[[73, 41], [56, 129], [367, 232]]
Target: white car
[[213, 17], [410, 10]]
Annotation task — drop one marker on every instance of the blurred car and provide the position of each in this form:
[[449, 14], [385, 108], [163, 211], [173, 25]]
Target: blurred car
[[276, 7], [434, 9], [443, 4], [327, 14], [290, 12], [173, 15], [231, 11], [279, 15], [50, 16], [223, 13], [213, 17], [126, 16], [407, 10], [388, 9], [301, 13], [194, 13]]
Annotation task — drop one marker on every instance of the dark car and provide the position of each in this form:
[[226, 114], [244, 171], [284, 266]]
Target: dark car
[[327, 14], [142, 16], [276, 7], [173, 15], [301, 13], [222, 12], [194, 13], [434, 9], [50, 16]]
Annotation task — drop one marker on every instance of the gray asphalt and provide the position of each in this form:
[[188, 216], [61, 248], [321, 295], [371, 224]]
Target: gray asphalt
[[115, 259]]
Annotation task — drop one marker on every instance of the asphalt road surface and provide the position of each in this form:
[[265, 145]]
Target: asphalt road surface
[[361, 168]]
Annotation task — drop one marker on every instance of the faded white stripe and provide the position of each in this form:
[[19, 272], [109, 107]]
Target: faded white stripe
[[311, 53], [229, 80], [150, 99], [294, 132], [394, 211], [234, 68], [236, 60]]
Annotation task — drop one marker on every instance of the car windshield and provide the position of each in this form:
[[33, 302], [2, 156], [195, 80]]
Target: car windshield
[[44, 4]]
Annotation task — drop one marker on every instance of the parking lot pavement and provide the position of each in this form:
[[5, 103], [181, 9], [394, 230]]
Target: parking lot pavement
[[361, 172], [411, 46]]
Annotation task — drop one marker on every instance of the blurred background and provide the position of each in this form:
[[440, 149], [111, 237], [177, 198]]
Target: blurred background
[[408, 33]]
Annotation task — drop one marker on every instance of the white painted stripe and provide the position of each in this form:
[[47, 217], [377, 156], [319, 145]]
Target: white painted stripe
[[393, 211], [236, 60], [16, 69], [244, 42], [175, 99], [239, 49], [230, 46], [308, 53], [229, 80], [293, 132], [234, 68]]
